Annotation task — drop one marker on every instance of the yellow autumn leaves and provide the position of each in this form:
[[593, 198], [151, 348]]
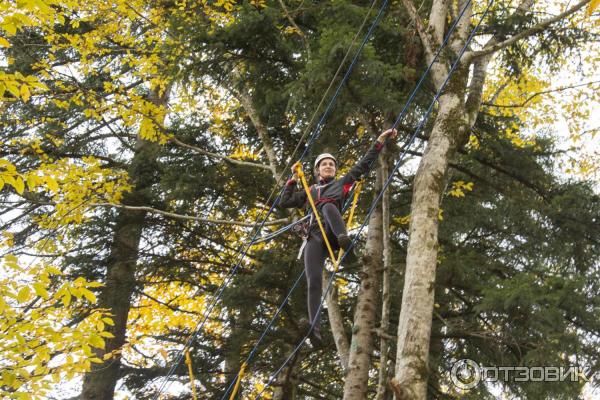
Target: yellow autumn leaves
[[39, 345]]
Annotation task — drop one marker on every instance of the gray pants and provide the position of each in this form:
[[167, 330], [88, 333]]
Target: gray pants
[[315, 254]]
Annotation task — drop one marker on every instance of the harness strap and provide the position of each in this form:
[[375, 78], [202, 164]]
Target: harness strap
[[350, 217], [298, 168]]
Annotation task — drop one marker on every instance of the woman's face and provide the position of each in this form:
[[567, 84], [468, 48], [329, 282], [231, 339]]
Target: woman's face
[[327, 168]]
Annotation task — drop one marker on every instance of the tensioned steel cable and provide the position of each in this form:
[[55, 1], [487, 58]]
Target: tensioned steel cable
[[311, 140], [407, 146], [386, 184]]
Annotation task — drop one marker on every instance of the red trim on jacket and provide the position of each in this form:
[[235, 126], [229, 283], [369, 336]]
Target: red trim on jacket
[[347, 188]]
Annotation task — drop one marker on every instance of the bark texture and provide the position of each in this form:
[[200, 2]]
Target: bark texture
[[100, 382], [336, 321], [385, 286], [414, 327], [458, 110], [361, 347]]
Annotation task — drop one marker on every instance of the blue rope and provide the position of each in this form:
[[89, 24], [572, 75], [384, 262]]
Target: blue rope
[[348, 202], [311, 140], [345, 78], [398, 119], [376, 201]]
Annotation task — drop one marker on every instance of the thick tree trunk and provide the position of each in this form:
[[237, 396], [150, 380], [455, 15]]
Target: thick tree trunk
[[100, 382], [414, 325], [455, 118], [361, 347], [385, 290]]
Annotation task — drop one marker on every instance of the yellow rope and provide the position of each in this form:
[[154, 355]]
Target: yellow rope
[[239, 379], [298, 168], [354, 202], [188, 361]]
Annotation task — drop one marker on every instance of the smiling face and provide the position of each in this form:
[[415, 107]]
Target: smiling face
[[327, 168]]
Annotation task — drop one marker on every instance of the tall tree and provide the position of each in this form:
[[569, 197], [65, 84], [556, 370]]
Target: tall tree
[[458, 108]]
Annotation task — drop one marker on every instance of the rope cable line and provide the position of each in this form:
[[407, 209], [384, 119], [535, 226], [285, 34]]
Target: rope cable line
[[406, 148], [386, 184], [243, 253]]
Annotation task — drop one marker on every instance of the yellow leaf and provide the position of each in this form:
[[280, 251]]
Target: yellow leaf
[[4, 42], [40, 290], [79, 282], [53, 270], [592, 7], [11, 29], [91, 297], [24, 294], [25, 93], [108, 321], [19, 185], [66, 299], [87, 350], [13, 90], [31, 181], [51, 183], [163, 353], [97, 341]]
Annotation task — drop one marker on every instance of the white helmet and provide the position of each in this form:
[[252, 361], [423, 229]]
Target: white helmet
[[323, 156]]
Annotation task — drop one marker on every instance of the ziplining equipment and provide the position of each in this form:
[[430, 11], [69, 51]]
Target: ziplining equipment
[[387, 182], [243, 253], [406, 147], [336, 262], [397, 164]]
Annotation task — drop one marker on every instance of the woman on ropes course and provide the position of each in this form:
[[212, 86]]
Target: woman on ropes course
[[329, 195]]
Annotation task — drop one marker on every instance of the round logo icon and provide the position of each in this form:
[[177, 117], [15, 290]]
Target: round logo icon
[[465, 374]]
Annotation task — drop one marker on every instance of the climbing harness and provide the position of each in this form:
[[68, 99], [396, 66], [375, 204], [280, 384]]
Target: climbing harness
[[298, 168], [309, 143], [396, 166], [335, 260]]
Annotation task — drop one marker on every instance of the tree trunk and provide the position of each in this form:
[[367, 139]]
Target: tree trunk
[[385, 290], [361, 348], [414, 327], [287, 382], [100, 382], [336, 321], [450, 131]]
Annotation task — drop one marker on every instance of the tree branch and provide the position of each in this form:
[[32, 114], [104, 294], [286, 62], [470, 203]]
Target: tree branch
[[534, 95], [219, 156], [490, 49], [187, 217], [414, 16], [302, 35]]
